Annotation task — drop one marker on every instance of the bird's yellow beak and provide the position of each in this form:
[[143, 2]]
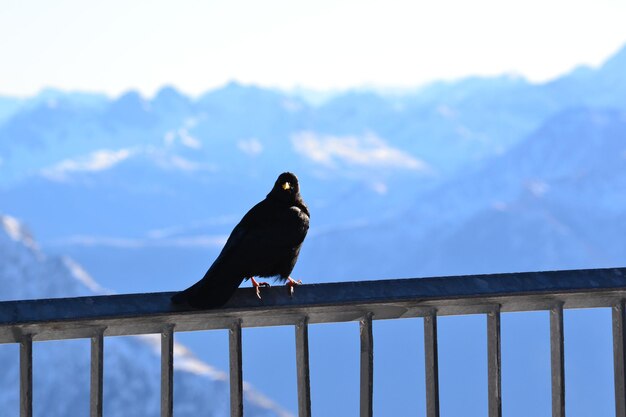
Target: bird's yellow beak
[[286, 186]]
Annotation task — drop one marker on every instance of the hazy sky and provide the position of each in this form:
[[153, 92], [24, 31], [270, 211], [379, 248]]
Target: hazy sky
[[114, 45]]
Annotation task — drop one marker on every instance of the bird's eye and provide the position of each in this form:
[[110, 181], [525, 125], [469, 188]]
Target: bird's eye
[[286, 186]]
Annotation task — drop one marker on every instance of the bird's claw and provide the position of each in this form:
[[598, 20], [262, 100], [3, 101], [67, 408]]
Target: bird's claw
[[257, 286], [292, 283]]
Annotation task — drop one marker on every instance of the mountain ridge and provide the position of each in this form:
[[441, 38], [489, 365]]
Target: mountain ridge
[[59, 365], [481, 175]]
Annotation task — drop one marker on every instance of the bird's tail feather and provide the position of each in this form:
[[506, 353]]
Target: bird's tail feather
[[204, 294], [179, 298]]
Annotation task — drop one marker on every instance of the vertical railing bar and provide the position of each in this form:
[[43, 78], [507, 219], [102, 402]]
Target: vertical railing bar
[[302, 362], [367, 365], [431, 365], [619, 357], [167, 371], [494, 363], [236, 373], [26, 376], [557, 361], [97, 368]]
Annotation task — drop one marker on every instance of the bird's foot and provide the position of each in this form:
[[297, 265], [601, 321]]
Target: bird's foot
[[292, 283], [257, 286]]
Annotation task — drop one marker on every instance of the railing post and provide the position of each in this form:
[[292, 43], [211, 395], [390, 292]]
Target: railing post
[[26, 376], [302, 362], [619, 357], [557, 359], [236, 374], [431, 365], [494, 363], [367, 365], [95, 387], [167, 371]]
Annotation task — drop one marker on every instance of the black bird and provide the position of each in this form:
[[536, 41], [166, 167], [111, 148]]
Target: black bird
[[265, 243]]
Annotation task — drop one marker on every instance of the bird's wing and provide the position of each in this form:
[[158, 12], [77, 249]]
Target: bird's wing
[[225, 274], [246, 234], [258, 236]]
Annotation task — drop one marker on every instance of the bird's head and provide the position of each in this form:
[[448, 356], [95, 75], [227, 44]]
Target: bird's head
[[286, 186]]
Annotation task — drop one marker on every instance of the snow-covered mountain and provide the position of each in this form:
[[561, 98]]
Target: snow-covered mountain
[[132, 364], [477, 175], [73, 152], [555, 201]]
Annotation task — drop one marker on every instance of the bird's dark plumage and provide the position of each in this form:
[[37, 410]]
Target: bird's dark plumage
[[265, 243]]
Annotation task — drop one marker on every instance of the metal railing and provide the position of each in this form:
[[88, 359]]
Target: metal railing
[[97, 317]]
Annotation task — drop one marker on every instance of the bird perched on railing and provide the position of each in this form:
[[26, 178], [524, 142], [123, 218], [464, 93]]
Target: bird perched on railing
[[265, 243]]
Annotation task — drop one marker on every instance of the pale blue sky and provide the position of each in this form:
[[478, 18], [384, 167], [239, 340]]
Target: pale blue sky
[[114, 45]]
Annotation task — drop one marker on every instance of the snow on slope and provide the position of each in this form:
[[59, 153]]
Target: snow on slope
[[132, 364]]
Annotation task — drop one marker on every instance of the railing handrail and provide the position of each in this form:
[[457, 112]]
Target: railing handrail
[[95, 317], [128, 314]]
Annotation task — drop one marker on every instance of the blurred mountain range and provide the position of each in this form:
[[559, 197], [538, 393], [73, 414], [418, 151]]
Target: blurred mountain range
[[473, 176]]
